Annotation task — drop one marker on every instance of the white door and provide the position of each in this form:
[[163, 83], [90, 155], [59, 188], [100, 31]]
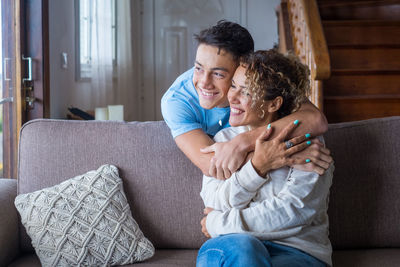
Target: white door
[[170, 50]]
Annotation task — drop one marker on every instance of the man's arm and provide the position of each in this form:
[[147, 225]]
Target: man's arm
[[190, 143], [183, 120]]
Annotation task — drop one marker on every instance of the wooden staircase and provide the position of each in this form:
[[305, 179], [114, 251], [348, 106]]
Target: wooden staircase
[[363, 40]]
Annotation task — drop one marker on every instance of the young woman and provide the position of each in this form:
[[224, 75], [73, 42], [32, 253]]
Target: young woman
[[267, 214]]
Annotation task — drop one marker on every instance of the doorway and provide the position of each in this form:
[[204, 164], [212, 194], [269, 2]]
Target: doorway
[[10, 109]]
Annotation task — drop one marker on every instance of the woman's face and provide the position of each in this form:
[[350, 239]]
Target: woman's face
[[240, 102]]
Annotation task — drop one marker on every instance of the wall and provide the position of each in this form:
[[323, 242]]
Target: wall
[[61, 34], [259, 18], [262, 22]]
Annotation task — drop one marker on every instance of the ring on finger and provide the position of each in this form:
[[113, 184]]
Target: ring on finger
[[288, 144]]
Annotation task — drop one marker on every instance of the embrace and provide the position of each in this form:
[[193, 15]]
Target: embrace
[[243, 118]]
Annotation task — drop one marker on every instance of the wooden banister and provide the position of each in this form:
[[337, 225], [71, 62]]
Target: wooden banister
[[307, 41]]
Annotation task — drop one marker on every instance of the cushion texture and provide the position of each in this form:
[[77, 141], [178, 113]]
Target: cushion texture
[[84, 220]]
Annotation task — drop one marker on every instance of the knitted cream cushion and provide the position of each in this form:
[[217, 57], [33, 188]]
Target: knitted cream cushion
[[85, 220]]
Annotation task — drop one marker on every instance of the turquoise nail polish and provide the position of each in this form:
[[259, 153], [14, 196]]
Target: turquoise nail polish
[[308, 160], [296, 122], [308, 135], [308, 142], [269, 126]]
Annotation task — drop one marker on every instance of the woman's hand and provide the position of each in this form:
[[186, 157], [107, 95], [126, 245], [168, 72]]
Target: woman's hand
[[320, 158], [203, 222], [274, 154]]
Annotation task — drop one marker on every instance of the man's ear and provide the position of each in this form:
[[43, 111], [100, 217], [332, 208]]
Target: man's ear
[[275, 104]]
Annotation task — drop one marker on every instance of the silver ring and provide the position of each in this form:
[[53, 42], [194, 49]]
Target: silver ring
[[288, 144]]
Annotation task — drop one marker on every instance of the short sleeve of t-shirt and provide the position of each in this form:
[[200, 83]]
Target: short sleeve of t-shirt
[[178, 106], [179, 115]]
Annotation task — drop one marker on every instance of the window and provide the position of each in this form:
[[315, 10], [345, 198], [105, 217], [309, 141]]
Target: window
[[85, 37], [85, 12]]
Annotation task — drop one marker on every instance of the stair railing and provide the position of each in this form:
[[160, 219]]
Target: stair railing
[[307, 40]]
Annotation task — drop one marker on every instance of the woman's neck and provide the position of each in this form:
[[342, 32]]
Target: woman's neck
[[263, 122]]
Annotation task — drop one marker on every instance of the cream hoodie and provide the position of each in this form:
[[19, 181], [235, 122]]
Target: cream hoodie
[[288, 207]]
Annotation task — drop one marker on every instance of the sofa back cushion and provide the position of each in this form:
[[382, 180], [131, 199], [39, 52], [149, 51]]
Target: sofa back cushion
[[365, 195], [161, 184]]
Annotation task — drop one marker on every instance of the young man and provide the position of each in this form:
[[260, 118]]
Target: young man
[[195, 107]]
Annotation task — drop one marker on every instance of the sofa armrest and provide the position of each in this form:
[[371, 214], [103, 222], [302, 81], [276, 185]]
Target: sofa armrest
[[9, 247]]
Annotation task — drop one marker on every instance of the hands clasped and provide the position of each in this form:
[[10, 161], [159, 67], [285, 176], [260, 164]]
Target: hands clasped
[[228, 158]]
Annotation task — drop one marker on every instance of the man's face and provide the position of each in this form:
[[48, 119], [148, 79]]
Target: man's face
[[213, 71]]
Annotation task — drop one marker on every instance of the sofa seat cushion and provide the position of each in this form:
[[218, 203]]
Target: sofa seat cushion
[[367, 257], [161, 258], [187, 257]]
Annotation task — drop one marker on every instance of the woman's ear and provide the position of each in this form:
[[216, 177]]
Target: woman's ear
[[275, 105]]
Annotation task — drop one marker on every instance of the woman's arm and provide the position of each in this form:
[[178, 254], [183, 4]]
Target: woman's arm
[[303, 195], [235, 192], [240, 189]]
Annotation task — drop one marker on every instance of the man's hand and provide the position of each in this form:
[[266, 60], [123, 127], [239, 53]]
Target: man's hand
[[319, 156], [228, 157], [203, 221], [274, 154]]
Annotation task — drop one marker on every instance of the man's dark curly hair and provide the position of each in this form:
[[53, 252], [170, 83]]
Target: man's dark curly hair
[[228, 36]]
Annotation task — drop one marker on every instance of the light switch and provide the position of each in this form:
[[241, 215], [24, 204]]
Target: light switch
[[64, 60]]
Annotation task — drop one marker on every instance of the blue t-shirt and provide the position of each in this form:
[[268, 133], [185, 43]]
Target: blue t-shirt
[[182, 112]]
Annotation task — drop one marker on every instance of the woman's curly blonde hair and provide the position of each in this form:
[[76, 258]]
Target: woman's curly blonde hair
[[271, 74]]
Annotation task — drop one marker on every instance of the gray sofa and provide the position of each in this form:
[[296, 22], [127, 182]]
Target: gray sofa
[[163, 186]]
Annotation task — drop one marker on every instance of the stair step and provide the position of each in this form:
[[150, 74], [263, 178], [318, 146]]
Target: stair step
[[359, 10], [356, 108], [361, 23], [364, 72], [356, 2], [359, 32], [365, 59], [364, 97], [361, 84], [364, 46]]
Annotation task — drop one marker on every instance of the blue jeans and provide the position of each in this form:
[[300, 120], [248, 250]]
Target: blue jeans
[[248, 251]]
